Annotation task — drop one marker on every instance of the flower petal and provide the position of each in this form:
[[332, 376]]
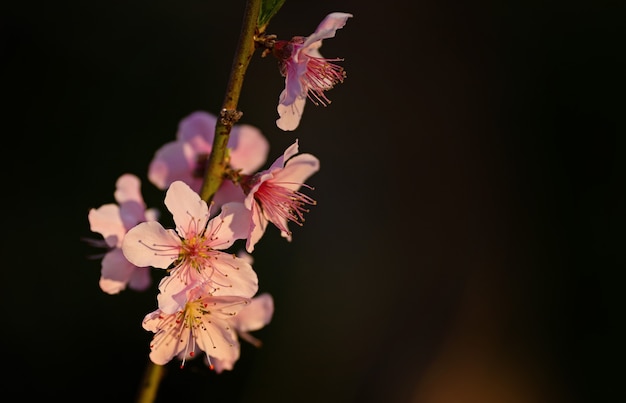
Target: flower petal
[[249, 148], [258, 225], [197, 124], [172, 162], [228, 192], [290, 113], [149, 244], [128, 189], [327, 28], [151, 321], [140, 279], [128, 196], [230, 225], [279, 163], [106, 221], [167, 342], [152, 214], [256, 314], [189, 211], [227, 275], [172, 295], [221, 365], [294, 87], [297, 170], [233, 276], [116, 272], [219, 340]]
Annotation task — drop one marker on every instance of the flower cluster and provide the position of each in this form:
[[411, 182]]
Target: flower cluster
[[208, 295]]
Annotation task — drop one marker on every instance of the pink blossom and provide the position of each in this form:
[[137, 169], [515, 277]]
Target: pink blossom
[[193, 253], [273, 195], [204, 322], [113, 221], [185, 159], [254, 316], [307, 74]]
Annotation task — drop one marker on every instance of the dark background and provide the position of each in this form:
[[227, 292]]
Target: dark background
[[468, 242]]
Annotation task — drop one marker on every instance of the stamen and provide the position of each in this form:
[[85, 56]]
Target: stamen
[[281, 205], [321, 76], [159, 250], [194, 227]]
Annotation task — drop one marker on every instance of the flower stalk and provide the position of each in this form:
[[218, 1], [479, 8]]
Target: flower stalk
[[229, 115], [150, 383]]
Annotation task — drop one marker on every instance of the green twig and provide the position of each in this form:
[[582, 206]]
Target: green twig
[[150, 383], [229, 115]]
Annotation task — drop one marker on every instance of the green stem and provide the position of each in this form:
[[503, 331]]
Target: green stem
[[150, 383], [229, 115]]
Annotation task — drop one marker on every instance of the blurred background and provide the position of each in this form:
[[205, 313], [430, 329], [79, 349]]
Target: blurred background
[[468, 241]]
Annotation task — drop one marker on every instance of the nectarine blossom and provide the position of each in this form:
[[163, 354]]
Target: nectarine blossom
[[252, 317], [273, 195], [193, 253], [307, 74], [113, 221], [203, 323], [185, 158]]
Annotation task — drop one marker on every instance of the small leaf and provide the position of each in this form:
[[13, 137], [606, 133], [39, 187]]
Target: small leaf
[[269, 8]]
